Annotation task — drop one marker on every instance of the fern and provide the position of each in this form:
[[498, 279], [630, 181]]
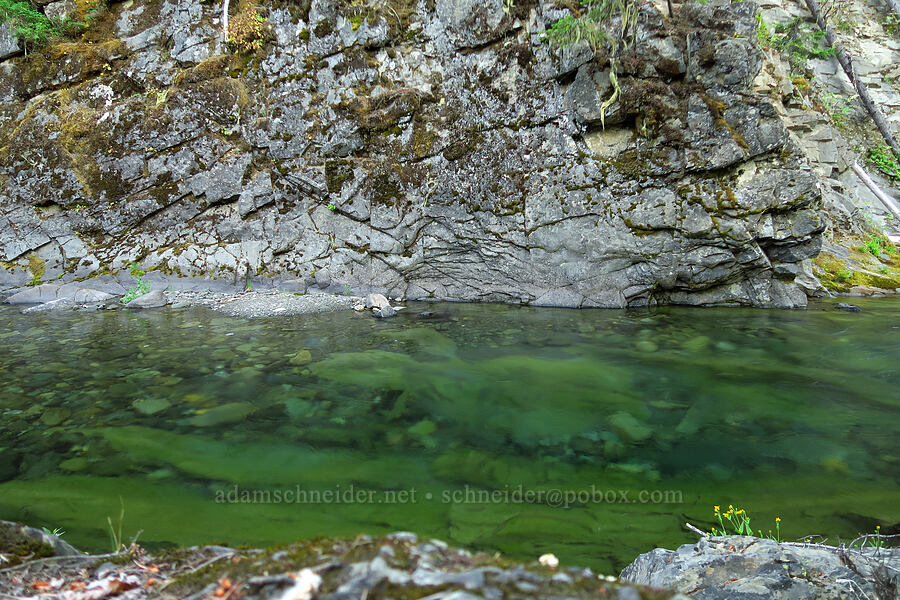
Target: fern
[[30, 25]]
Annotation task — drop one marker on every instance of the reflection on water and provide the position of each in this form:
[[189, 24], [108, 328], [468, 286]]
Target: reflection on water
[[591, 434]]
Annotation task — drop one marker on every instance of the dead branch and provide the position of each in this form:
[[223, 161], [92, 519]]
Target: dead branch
[[847, 64]]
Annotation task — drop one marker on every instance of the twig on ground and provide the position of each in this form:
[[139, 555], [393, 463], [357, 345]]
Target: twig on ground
[[695, 530], [49, 559]]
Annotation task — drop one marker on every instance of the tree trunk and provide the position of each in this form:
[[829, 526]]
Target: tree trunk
[[847, 64]]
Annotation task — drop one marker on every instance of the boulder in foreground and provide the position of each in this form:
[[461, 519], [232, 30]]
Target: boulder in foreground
[[751, 568]]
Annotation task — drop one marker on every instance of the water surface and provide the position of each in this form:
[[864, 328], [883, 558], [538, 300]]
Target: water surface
[[591, 434]]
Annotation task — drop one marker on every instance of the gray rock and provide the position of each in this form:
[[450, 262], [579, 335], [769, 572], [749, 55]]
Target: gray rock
[[323, 278], [85, 296], [749, 567], [847, 307], [385, 312], [58, 304], [46, 292], [154, 299], [62, 10], [376, 301], [9, 43], [57, 546], [58, 294], [291, 286]]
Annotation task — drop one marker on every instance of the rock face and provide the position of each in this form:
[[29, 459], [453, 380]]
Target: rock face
[[9, 43], [428, 149], [743, 567]]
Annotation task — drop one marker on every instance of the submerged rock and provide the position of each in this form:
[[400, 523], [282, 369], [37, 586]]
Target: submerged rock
[[385, 312], [725, 568], [847, 307]]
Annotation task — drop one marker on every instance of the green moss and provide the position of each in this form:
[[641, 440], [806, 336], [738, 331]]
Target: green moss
[[463, 146], [337, 171], [839, 276], [37, 267], [718, 108], [18, 548], [304, 35], [422, 141], [323, 28]]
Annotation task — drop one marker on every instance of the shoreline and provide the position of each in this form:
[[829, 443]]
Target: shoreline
[[260, 299], [37, 563]]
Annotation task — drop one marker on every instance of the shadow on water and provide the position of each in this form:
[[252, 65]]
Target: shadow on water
[[591, 434]]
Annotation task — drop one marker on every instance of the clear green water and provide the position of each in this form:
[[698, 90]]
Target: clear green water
[[787, 413]]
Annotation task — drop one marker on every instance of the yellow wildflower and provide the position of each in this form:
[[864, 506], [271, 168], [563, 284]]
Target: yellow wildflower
[[778, 519], [716, 508]]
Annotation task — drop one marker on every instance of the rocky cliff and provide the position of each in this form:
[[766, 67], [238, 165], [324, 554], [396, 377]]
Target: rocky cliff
[[430, 149]]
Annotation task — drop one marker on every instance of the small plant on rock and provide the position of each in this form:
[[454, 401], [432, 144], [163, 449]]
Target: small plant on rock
[[800, 41], [589, 24], [877, 244], [739, 522], [246, 30], [839, 108], [891, 24], [140, 287], [31, 26], [883, 159]]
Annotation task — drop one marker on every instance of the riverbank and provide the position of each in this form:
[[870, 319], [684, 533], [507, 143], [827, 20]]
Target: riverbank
[[109, 292], [401, 565], [262, 298]]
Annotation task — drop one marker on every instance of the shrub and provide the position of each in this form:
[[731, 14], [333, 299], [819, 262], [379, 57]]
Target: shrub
[[883, 159], [31, 26], [246, 30], [800, 41]]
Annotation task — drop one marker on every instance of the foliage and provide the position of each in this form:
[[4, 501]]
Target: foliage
[[115, 531], [590, 27], [55, 532], [839, 108], [246, 30], [763, 35], [140, 287], [739, 521], [30, 25], [877, 244], [799, 40], [891, 24], [883, 159]]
